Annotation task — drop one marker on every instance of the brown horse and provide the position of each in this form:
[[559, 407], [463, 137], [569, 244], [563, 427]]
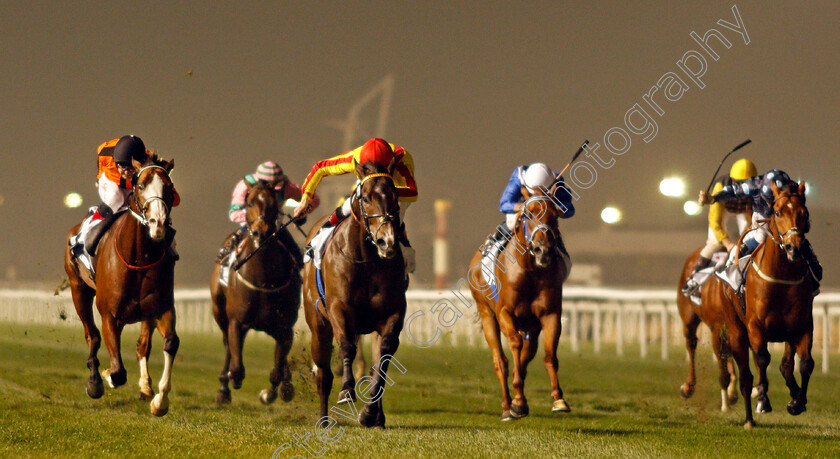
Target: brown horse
[[710, 313], [263, 294], [530, 295], [134, 283], [777, 305], [364, 281]]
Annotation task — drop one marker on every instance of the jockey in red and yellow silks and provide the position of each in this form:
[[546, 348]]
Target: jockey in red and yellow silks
[[376, 151]]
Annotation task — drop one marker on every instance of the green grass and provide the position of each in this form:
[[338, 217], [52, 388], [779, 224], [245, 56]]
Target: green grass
[[446, 405]]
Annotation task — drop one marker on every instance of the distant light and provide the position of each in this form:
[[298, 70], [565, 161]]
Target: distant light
[[73, 200], [672, 186], [291, 203], [692, 208], [611, 215]]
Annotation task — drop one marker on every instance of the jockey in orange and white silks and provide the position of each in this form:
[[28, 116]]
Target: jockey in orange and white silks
[[759, 190], [115, 159], [268, 172], [377, 151]]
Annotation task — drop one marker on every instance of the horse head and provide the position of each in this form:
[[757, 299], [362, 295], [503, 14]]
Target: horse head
[[377, 206], [153, 195], [261, 210], [790, 220], [537, 221]]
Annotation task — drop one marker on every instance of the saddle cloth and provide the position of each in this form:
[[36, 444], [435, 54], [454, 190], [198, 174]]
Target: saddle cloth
[[83, 244], [703, 275], [318, 245]]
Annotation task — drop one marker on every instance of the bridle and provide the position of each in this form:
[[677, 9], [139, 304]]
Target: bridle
[[780, 238], [383, 217], [141, 216], [261, 218], [529, 240]]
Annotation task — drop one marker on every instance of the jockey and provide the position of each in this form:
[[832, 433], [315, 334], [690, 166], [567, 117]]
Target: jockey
[[722, 212], [759, 189], [267, 172], [525, 178], [376, 151]]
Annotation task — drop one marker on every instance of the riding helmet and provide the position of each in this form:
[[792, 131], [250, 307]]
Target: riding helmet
[[376, 151], [129, 147], [537, 175], [742, 170]]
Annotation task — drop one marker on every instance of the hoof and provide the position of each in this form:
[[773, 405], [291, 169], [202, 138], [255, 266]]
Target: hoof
[[508, 416], [95, 389], [749, 425], [159, 406], [763, 406], [268, 396], [732, 399], [368, 419], [223, 397], [236, 382], [346, 396], [795, 409], [146, 396], [560, 405], [686, 391], [519, 411], [287, 391]]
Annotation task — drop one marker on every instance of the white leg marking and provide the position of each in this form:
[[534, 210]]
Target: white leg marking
[[160, 404]]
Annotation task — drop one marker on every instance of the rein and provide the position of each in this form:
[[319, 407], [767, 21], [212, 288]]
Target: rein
[[252, 286]]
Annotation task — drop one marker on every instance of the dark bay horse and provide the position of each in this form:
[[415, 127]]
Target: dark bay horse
[[364, 281], [134, 283], [263, 294], [530, 301], [778, 302], [710, 312]]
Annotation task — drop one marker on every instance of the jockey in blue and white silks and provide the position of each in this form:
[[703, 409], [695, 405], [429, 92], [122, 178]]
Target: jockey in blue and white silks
[[526, 178], [759, 189]]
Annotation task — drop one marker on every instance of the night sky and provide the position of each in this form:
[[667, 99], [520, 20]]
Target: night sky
[[479, 87]]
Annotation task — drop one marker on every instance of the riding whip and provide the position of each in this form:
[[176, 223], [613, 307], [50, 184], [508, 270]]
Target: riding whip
[[580, 150], [273, 236], [743, 144]]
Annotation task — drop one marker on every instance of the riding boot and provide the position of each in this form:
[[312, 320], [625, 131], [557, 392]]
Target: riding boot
[[502, 234], [409, 256], [288, 241], [690, 283], [231, 243]]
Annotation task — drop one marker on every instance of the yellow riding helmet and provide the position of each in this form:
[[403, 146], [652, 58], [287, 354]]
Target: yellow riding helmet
[[742, 170]]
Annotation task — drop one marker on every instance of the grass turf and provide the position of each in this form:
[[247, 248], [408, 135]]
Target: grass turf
[[447, 404]]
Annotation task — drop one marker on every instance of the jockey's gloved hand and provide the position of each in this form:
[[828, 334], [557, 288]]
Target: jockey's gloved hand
[[300, 221]]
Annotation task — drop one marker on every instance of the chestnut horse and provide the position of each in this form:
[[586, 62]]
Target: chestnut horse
[[530, 300], [710, 312], [263, 294], [365, 283], [134, 283], [777, 305]]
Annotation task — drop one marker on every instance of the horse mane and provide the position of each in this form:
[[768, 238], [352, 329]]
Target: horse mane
[[155, 160]]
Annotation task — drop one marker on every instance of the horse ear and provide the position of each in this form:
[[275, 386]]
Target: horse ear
[[775, 189], [360, 171], [392, 165], [802, 189], [169, 166]]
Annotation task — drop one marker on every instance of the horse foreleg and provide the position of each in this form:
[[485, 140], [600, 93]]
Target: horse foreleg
[[166, 327], [739, 342], [83, 302], [280, 374], [223, 395], [236, 341], [519, 405], [724, 378], [346, 338], [500, 362], [116, 374], [360, 364], [322, 348], [806, 367], [758, 343], [144, 348], [786, 367], [373, 414], [552, 327], [690, 333]]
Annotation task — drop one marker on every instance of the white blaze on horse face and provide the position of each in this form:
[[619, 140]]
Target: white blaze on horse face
[[156, 212]]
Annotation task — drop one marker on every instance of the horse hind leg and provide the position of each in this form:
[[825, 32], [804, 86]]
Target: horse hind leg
[[144, 348], [797, 406], [280, 374], [321, 355], [690, 333], [236, 341], [159, 405], [83, 302], [726, 378]]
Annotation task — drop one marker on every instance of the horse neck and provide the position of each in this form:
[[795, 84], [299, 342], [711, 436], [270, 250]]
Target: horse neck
[[525, 260], [270, 263], [134, 240], [357, 247]]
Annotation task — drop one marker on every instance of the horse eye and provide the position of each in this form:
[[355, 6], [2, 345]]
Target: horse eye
[[141, 186], [777, 213], [365, 200]]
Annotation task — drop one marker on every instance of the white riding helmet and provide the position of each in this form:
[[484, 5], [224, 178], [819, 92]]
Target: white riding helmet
[[537, 174]]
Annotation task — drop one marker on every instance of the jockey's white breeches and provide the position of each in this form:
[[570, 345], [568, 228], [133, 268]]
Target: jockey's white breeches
[[111, 194]]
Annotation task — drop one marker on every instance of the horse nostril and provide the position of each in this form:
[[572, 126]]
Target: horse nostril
[[787, 246], [153, 221], [380, 243]]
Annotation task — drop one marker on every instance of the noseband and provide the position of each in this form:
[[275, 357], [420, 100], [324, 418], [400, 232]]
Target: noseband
[[539, 227], [141, 217], [383, 217]]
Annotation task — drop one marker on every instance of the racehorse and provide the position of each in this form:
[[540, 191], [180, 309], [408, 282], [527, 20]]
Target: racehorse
[[134, 283], [263, 294], [777, 305], [364, 283], [710, 313], [529, 296]]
